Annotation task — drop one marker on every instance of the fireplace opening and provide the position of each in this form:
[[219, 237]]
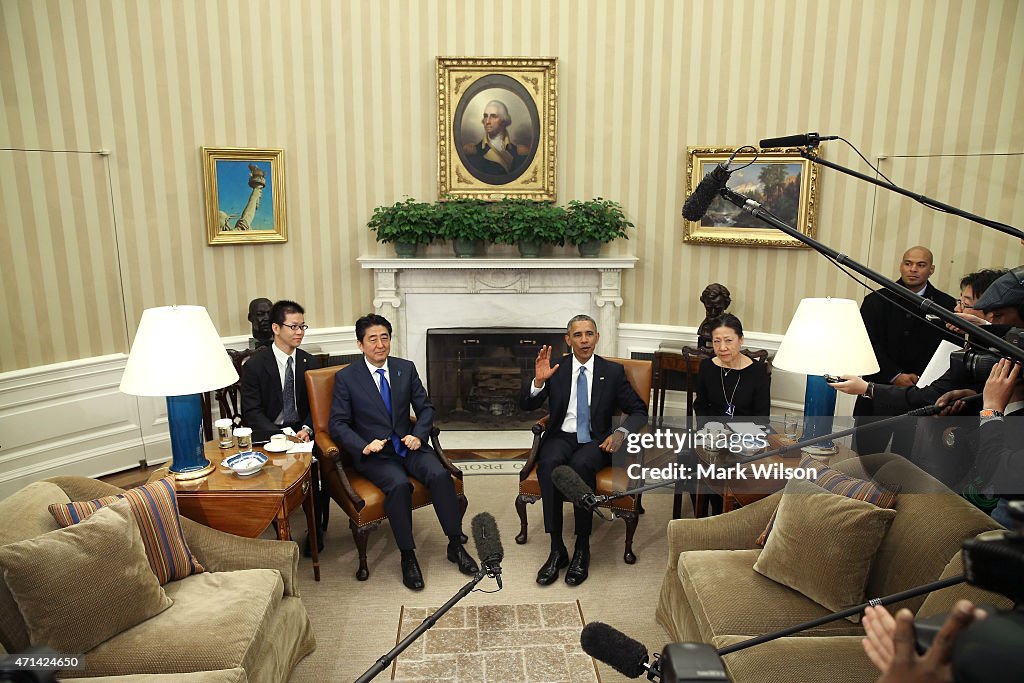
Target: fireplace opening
[[476, 375]]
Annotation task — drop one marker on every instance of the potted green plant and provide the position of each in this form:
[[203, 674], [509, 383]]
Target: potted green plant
[[529, 224], [592, 223], [466, 222], [406, 224]]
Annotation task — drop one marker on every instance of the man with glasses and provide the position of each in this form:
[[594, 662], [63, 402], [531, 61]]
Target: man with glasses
[[274, 378]]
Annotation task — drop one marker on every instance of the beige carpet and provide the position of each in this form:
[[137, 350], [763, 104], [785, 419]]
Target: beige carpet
[[500, 643], [356, 622]]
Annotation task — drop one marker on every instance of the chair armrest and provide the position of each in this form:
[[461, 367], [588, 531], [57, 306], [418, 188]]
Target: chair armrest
[[332, 471], [538, 430], [736, 530], [218, 551], [439, 450]]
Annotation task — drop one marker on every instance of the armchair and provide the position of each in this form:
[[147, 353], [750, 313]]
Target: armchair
[[361, 500], [609, 480]]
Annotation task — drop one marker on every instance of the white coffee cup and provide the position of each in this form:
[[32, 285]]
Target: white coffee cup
[[223, 426], [278, 440], [244, 437]]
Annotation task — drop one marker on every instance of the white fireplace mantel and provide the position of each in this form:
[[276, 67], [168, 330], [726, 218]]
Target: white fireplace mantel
[[417, 294]]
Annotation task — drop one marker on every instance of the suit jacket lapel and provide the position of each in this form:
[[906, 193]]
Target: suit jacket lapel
[[597, 388], [370, 386]]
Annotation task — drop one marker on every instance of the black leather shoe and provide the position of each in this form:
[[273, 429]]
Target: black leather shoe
[[548, 573], [412, 577], [467, 565], [579, 567]]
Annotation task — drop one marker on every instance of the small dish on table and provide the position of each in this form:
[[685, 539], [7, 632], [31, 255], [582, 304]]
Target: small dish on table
[[246, 463]]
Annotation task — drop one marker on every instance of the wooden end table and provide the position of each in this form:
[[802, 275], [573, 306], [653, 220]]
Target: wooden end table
[[246, 506]]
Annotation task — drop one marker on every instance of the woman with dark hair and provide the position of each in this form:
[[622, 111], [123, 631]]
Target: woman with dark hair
[[730, 383]]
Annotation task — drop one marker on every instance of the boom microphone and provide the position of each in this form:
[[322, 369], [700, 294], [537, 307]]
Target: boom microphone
[[698, 203], [488, 545], [573, 488], [615, 648], [802, 140]]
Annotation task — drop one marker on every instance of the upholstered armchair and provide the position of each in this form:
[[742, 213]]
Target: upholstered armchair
[[361, 500], [610, 480]]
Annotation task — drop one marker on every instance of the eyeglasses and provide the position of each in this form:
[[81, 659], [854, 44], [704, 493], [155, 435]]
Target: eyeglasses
[[294, 327]]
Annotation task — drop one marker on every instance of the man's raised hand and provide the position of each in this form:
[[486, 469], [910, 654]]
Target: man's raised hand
[[542, 367]]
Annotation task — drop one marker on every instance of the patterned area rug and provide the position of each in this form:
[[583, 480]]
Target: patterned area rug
[[496, 644]]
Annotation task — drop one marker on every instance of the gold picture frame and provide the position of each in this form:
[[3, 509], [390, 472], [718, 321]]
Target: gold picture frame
[[521, 96], [780, 179], [245, 195]]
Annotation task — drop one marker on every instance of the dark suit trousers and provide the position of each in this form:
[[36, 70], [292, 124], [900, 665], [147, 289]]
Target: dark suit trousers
[[561, 448], [390, 473]]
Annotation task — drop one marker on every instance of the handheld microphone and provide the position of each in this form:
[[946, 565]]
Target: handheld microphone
[[488, 545], [574, 489], [616, 649], [698, 203], [802, 140]]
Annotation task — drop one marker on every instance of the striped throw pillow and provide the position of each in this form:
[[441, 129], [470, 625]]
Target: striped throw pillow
[[840, 484], [155, 510]]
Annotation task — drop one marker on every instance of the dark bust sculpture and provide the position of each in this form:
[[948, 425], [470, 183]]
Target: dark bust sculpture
[[716, 300], [259, 316]]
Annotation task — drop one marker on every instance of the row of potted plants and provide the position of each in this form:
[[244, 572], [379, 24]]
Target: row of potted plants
[[528, 223]]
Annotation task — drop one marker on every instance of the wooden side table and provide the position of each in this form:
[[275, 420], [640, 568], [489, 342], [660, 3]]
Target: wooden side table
[[246, 506]]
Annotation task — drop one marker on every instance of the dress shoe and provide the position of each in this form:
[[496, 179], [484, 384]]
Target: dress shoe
[[412, 577], [548, 573], [579, 567], [458, 555]]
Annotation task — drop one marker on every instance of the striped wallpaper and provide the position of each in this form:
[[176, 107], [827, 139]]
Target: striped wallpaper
[[930, 88]]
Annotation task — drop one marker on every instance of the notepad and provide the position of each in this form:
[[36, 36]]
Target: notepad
[[745, 428]]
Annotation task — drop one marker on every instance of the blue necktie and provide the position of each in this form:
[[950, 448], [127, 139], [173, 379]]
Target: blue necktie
[[582, 408], [289, 415], [385, 393]]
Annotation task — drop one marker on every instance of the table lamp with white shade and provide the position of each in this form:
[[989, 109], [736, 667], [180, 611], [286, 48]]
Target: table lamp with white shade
[[826, 337], [178, 354]]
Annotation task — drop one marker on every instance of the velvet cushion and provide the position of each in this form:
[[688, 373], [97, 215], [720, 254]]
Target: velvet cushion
[[841, 484], [823, 544], [71, 615], [155, 510]]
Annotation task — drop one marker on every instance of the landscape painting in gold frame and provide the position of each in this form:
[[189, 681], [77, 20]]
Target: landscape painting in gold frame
[[512, 101], [780, 180], [245, 195]]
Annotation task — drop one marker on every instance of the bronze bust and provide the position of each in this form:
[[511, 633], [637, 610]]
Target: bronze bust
[[259, 316], [716, 300]]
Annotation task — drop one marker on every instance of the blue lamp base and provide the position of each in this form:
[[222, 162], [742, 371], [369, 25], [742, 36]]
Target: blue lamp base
[[185, 421], [819, 411]]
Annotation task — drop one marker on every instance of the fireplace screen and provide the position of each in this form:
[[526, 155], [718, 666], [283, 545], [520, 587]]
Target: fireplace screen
[[475, 375]]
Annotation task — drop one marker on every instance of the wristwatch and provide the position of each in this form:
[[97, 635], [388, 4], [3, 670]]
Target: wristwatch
[[988, 412], [870, 391]]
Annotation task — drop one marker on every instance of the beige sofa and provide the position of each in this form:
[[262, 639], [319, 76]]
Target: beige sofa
[[711, 593], [241, 620]]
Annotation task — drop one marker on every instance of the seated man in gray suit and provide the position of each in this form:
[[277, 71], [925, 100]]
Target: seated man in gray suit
[[370, 420]]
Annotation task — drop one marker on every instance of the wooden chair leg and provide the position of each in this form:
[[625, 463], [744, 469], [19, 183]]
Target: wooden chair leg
[[521, 502], [631, 521], [640, 504], [361, 536], [463, 505]]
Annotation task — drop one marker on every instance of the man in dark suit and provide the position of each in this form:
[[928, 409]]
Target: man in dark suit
[[274, 378], [903, 342], [583, 392], [370, 419]]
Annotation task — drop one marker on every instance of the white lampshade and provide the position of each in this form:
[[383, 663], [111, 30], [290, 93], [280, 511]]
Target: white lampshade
[[827, 337], [177, 352]]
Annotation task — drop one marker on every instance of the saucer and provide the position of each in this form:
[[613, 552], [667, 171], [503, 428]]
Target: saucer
[[271, 447], [246, 463]]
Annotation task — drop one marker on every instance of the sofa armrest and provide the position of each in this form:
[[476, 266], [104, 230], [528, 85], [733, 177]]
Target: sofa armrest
[[736, 530], [822, 659], [218, 551], [236, 675]]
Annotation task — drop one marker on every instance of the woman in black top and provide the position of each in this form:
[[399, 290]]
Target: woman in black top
[[731, 384]]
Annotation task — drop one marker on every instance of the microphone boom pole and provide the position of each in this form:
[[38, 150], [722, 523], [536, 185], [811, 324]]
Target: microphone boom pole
[[925, 305]]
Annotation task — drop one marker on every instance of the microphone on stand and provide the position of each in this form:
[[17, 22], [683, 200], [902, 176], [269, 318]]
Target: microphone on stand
[[617, 650], [801, 140], [488, 545], [698, 203], [575, 489]]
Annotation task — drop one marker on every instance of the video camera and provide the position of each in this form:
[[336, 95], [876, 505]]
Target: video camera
[[975, 366]]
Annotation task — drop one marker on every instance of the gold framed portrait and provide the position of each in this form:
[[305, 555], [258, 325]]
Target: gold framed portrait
[[245, 195], [779, 179], [496, 127]]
